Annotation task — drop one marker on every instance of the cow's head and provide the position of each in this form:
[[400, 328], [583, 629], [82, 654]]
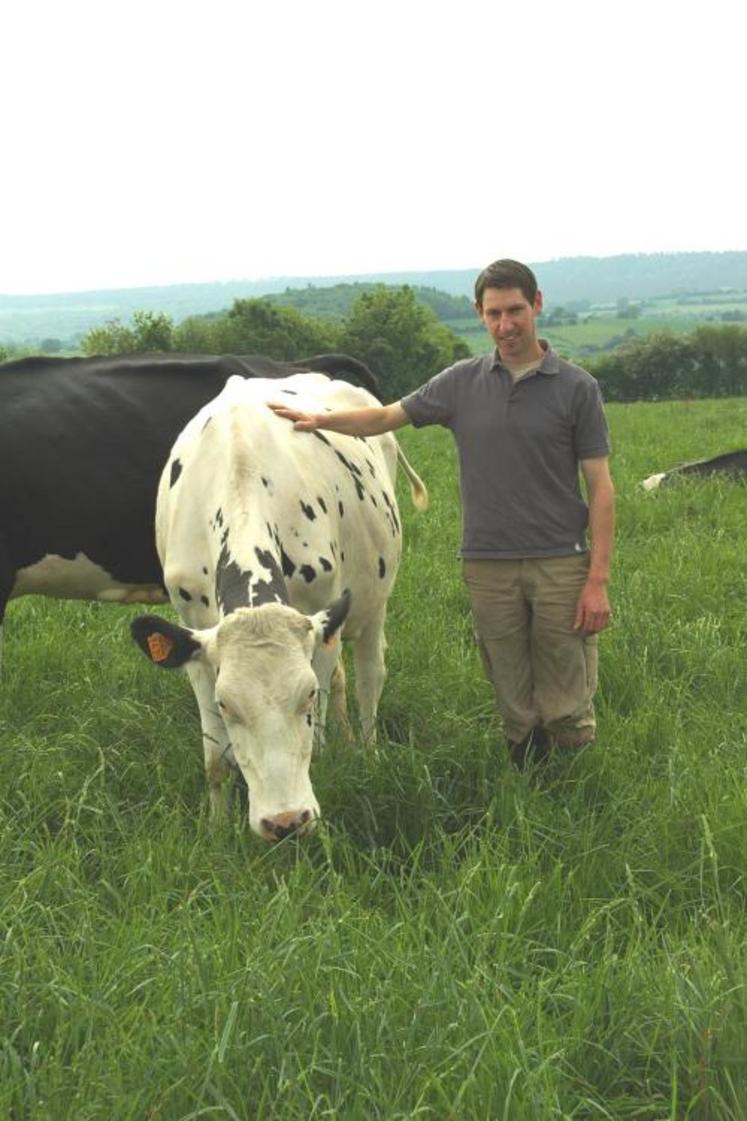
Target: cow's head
[[265, 690]]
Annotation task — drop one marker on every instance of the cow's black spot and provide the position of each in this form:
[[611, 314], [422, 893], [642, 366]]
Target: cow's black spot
[[341, 508], [371, 468], [391, 512], [176, 470], [326, 565], [290, 392], [308, 510], [287, 564], [271, 589], [382, 568], [307, 572], [207, 422], [264, 481], [236, 587], [322, 503], [204, 570], [185, 595], [321, 436], [231, 583], [205, 600], [309, 720]]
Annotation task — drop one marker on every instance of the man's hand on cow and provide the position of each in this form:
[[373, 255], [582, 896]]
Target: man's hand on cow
[[593, 608], [305, 422]]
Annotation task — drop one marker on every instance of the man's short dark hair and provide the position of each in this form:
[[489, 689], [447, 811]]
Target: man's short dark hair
[[506, 274]]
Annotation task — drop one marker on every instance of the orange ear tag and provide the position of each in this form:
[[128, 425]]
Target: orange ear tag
[[159, 646]]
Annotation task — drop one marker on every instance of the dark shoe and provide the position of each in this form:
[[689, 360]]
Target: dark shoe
[[534, 748]]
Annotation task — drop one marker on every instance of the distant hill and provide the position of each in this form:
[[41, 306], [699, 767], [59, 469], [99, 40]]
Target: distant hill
[[61, 319]]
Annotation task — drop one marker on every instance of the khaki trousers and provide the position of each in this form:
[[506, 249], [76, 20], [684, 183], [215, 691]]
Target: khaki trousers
[[543, 672]]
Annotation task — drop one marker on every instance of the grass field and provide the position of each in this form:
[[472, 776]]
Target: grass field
[[458, 941], [580, 341]]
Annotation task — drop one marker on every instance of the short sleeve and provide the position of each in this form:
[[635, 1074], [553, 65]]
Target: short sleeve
[[591, 437], [432, 403]]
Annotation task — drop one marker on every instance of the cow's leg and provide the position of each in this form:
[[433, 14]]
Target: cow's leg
[[331, 678], [370, 671], [338, 690], [215, 741]]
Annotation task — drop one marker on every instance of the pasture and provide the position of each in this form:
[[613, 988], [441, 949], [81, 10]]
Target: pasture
[[591, 335], [457, 941]]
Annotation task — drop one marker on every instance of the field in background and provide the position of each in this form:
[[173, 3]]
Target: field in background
[[601, 329], [458, 940]]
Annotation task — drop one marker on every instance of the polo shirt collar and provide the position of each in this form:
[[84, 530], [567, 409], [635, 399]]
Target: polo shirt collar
[[550, 364]]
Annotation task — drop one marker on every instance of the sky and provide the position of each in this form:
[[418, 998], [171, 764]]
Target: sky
[[162, 142]]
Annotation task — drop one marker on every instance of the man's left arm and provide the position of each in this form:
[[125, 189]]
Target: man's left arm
[[593, 608]]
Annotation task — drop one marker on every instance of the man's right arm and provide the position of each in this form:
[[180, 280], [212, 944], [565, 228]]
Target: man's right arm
[[370, 421]]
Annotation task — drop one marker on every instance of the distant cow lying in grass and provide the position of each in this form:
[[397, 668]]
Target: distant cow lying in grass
[[731, 463]]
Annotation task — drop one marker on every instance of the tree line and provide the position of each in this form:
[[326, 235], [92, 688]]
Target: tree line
[[404, 343], [708, 362], [389, 329]]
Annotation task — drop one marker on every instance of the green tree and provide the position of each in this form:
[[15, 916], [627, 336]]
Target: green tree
[[258, 327], [111, 337], [722, 354], [153, 330], [662, 365], [148, 331], [197, 334], [401, 340]]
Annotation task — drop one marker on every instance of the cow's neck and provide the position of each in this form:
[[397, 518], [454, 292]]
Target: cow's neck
[[248, 564]]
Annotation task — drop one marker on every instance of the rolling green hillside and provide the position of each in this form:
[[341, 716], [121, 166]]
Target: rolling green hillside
[[57, 321]]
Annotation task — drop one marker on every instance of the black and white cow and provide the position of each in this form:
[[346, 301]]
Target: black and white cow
[[272, 540], [730, 463], [83, 442]]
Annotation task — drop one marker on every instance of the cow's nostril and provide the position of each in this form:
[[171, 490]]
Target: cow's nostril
[[278, 831]]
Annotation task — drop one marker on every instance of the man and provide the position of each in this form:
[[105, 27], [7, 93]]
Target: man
[[525, 422]]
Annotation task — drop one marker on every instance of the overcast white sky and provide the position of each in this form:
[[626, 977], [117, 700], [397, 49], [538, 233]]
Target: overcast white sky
[[159, 142]]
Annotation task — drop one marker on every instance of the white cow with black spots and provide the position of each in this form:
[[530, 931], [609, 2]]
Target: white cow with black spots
[[272, 542]]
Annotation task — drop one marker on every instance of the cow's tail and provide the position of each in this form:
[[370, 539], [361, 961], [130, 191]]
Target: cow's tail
[[418, 491]]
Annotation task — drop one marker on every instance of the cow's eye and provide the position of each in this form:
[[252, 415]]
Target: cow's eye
[[309, 701], [226, 712]]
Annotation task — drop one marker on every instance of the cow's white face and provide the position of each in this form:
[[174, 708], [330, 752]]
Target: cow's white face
[[265, 691]]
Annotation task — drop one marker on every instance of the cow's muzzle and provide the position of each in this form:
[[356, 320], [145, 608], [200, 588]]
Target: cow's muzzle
[[283, 825]]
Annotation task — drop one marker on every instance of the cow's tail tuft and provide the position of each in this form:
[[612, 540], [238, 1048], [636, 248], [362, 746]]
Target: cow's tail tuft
[[418, 490]]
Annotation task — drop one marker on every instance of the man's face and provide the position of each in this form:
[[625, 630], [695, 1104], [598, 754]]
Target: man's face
[[510, 319]]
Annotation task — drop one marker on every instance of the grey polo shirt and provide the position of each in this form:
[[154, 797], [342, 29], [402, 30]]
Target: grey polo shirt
[[519, 445]]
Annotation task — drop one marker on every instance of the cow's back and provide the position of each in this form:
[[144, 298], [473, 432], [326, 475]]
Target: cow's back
[[82, 443], [242, 483]]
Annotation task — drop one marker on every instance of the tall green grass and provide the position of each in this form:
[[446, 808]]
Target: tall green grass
[[458, 940]]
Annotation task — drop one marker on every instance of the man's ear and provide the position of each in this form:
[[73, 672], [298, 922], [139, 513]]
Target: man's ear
[[327, 623], [165, 644]]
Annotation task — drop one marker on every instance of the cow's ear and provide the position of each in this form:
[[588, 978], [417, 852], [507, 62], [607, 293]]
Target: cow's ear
[[165, 644], [327, 623]]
